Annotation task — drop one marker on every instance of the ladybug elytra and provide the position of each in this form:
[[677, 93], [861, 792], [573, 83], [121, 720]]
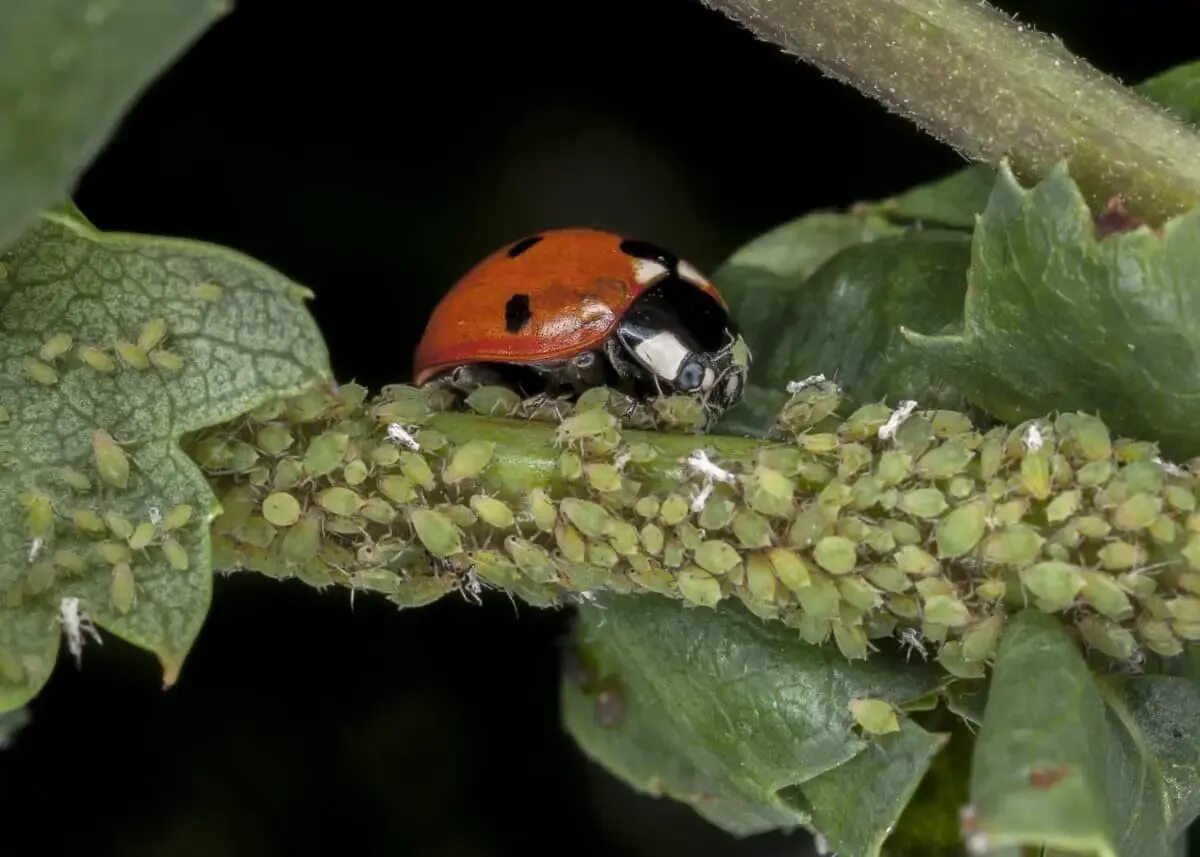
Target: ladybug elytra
[[565, 310]]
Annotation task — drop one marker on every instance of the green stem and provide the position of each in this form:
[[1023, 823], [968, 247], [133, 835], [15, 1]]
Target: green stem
[[993, 88]]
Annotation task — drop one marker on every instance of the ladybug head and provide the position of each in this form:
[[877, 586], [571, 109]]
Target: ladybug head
[[682, 340]]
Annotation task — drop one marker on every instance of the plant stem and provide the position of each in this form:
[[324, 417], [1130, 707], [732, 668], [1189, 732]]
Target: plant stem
[[993, 88]]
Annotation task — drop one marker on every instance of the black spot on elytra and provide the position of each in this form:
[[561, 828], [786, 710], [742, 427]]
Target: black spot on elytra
[[521, 246], [645, 250], [517, 313]]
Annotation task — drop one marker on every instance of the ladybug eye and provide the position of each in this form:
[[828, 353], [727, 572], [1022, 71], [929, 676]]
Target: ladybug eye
[[691, 375]]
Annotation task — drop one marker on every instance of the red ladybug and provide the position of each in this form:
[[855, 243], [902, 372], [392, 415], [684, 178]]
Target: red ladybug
[[569, 309]]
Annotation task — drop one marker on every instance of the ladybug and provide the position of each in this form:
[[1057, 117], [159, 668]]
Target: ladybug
[[564, 310]]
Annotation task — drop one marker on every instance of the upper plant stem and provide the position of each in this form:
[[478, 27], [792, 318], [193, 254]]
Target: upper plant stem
[[993, 88]]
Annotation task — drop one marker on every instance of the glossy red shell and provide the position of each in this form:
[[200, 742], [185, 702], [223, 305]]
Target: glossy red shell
[[578, 283]]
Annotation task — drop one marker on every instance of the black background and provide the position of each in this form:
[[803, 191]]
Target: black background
[[373, 152]]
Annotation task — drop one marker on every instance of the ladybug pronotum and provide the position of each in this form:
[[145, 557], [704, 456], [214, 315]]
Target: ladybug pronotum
[[565, 310]]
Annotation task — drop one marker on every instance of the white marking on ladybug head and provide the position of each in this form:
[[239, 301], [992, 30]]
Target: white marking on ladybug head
[[688, 271], [663, 354], [646, 271]]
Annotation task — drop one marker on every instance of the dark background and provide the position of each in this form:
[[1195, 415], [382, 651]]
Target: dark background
[[374, 156]]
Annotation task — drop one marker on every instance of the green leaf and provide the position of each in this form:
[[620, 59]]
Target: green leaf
[[68, 73], [844, 320], [1058, 320], [745, 722], [1071, 761], [240, 345]]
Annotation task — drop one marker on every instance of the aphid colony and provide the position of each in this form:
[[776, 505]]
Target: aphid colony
[[851, 528]]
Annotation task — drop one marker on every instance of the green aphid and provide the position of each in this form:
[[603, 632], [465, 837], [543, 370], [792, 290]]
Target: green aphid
[[131, 355], [542, 510], [142, 535], [355, 473], [991, 458], [674, 553], [820, 598], [1106, 595], [437, 532], [340, 500], [717, 557], [769, 492], [1143, 476], [494, 568], [495, 513], [601, 554], [785, 459], [1189, 631], [39, 513], [417, 470], [242, 456], [752, 529], [789, 568], [1158, 636], [1054, 584], [903, 606], [853, 528], [1164, 530], [814, 474], [462, 516], [257, 531], [894, 467], [945, 461], [586, 577], [111, 462], [1035, 474], [1107, 637], [594, 398], [113, 552], [152, 333], [274, 439], [325, 453], [384, 455], [934, 632], [809, 406], [904, 532], [1180, 498], [916, 562], [865, 423], [960, 488], [587, 425], [1063, 506], [680, 412], [570, 542], [874, 716], [281, 509], [818, 443], [1085, 437], [813, 630], [864, 493], [1092, 527], [1017, 545], [946, 610], [716, 515], [836, 554], [122, 589], [858, 593], [397, 488], [288, 474], [468, 461], [689, 534], [881, 625], [652, 539], [960, 531], [87, 521], [39, 578], [493, 401], [914, 435], [851, 641], [623, 536], [979, 641], [950, 424], [42, 373], [54, 347], [1184, 609], [603, 477], [760, 578], [834, 497], [853, 457], [1010, 512], [1094, 474], [531, 558], [879, 540], [1066, 537], [923, 502], [642, 453], [570, 466], [889, 578], [950, 656], [302, 540], [590, 518], [673, 510], [268, 410], [378, 510], [1127, 451], [699, 587], [70, 562], [175, 553], [309, 406], [1137, 513], [809, 526], [1057, 552]]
